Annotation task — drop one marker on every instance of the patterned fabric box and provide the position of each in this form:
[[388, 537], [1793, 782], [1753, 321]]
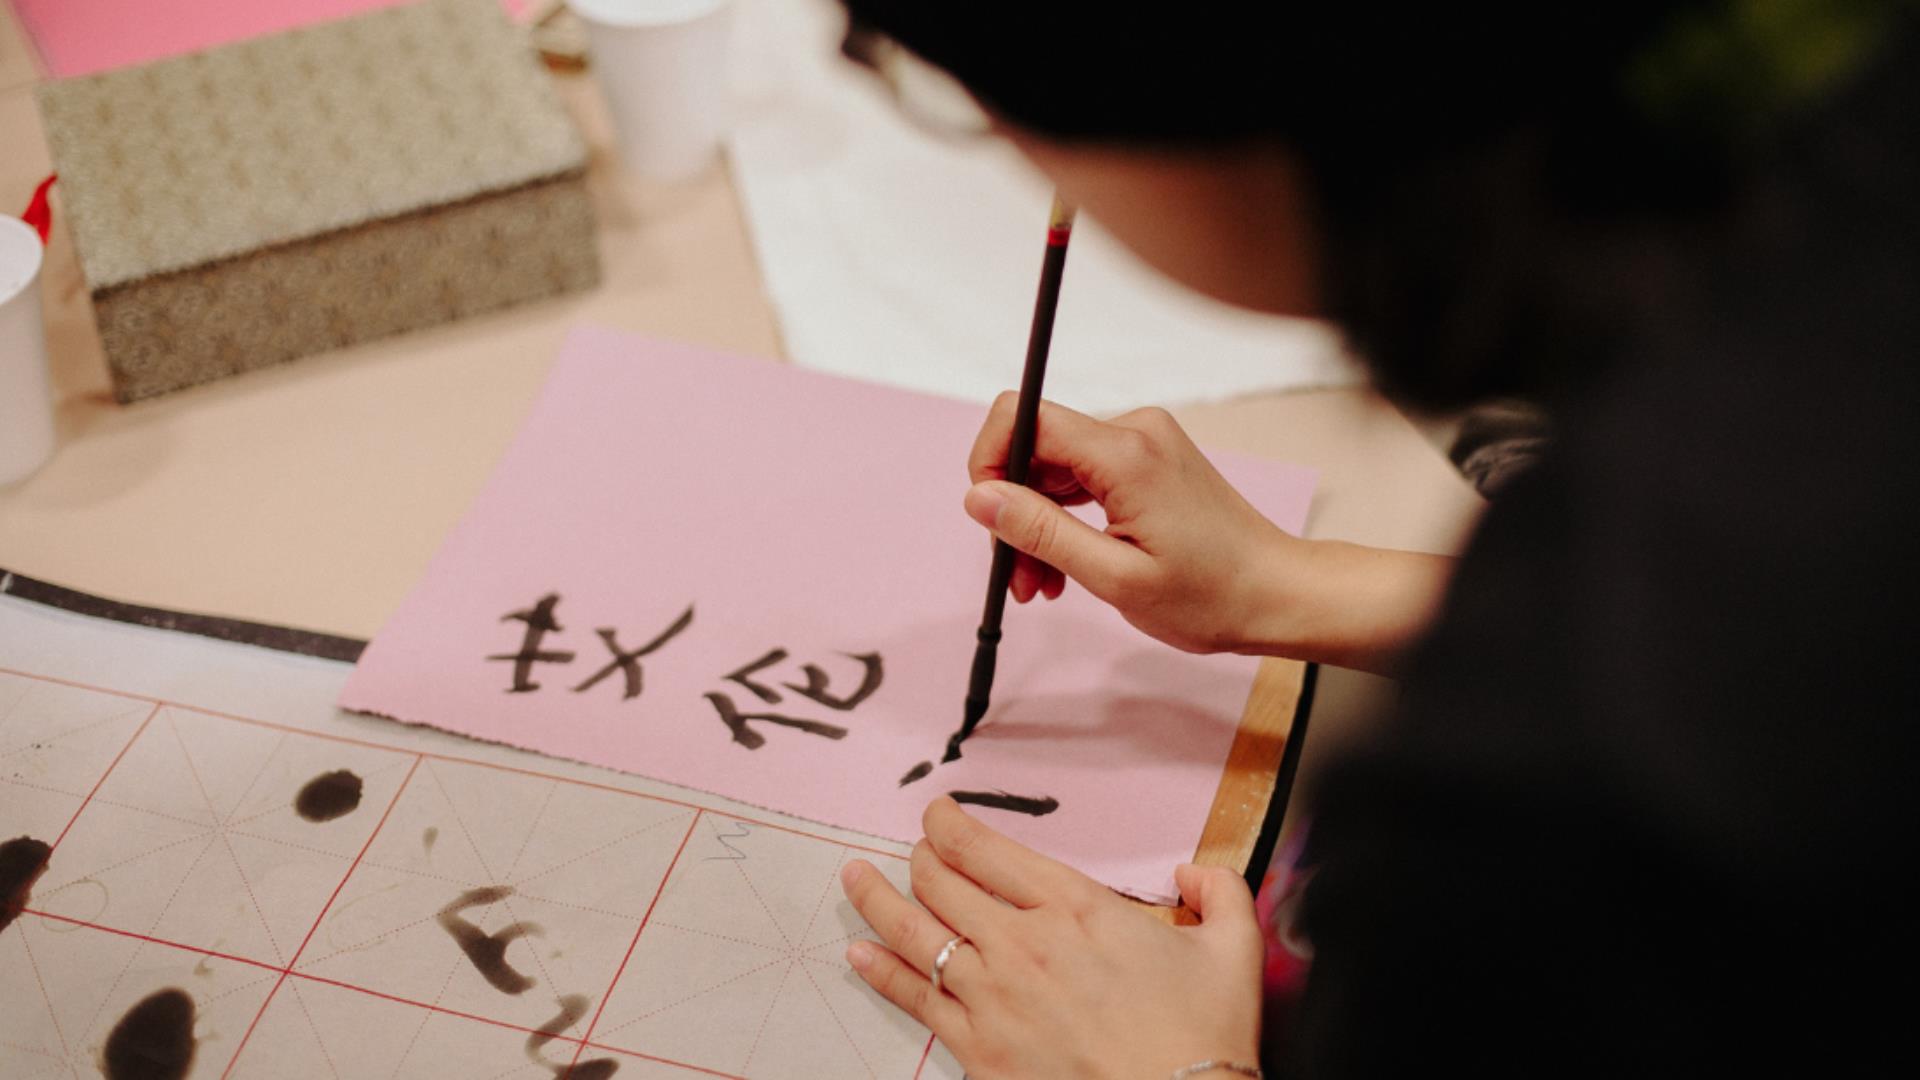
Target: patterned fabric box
[[300, 192]]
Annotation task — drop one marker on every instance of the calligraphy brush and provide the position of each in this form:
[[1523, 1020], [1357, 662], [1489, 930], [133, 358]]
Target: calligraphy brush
[[1026, 417]]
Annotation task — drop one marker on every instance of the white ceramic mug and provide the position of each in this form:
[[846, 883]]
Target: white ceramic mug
[[26, 402], [662, 66]]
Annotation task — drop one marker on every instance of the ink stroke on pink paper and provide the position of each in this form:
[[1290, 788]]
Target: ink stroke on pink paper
[[756, 581]]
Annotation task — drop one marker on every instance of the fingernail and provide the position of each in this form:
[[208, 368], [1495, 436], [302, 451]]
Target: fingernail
[[860, 955], [983, 504], [850, 873]]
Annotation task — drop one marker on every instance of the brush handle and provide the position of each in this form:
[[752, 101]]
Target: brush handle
[[1026, 422]]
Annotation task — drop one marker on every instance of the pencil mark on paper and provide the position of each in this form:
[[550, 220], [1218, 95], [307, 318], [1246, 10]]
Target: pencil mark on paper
[[734, 853], [328, 796], [487, 952], [1000, 800], [74, 904]]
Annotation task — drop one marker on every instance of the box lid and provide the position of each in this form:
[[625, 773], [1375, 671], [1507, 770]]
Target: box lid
[[211, 155]]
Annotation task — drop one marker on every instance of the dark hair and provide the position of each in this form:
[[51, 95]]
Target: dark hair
[[1486, 177]]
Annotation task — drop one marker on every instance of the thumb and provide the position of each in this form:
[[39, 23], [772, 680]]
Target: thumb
[[1036, 525], [1218, 895]]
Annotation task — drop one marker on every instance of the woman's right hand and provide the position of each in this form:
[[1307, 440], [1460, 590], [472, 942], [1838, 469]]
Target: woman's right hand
[[1184, 557], [1179, 540]]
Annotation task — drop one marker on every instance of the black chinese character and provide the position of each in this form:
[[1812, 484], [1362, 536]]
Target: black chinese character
[[540, 622], [1000, 800], [872, 674], [628, 663], [737, 722]]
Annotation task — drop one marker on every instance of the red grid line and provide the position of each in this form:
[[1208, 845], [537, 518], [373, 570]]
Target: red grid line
[[84, 803], [318, 919], [441, 1009], [453, 759], [220, 824], [924, 1055], [631, 945], [582, 1043], [397, 999], [665, 1061], [151, 940]]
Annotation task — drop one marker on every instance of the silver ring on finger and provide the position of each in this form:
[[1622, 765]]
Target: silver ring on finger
[[946, 954]]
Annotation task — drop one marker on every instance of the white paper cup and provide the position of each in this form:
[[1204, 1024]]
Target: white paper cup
[[26, 403], [662, 66]]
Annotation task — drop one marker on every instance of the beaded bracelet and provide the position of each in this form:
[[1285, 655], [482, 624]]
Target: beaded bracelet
[[1199, 1067]]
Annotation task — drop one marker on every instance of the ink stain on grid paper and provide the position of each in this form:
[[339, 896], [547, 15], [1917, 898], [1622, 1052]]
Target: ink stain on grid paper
[[487, 952], [153, 1041], [328, 796], [22, 861], [429, 837], [572, 1008]]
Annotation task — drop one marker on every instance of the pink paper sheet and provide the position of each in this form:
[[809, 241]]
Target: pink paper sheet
[[797, 511], [80, 37]]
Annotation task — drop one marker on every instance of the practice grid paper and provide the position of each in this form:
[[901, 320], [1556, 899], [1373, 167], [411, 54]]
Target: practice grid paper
[[661, 933]]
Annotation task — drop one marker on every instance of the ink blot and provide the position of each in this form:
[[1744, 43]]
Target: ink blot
[[572, 1008], [918, 772], [487, 952], [22, 861], [428, 838], [1000, 800], [153, 1041], [329, 795]]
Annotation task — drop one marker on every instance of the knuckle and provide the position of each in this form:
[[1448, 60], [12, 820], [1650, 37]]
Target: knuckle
[[1043, 533], [1130, 579], [1157, 421], [962, 842], [1079, 906], [907, 992], [1037, 956], [995, 1060], [1133, 451], [906, 935], [920, 870], [1033, 952]]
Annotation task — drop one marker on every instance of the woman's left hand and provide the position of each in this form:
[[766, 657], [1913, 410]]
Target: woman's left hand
[[1060, 977]]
